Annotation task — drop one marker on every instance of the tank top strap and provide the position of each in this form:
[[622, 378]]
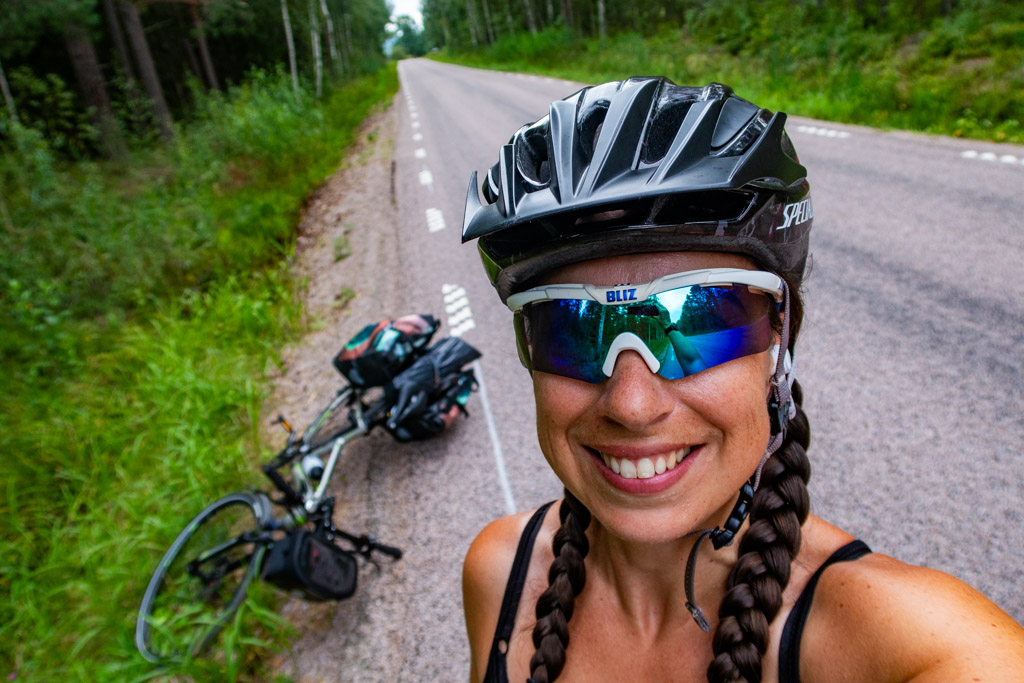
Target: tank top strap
[[496, 668], [789, 645]]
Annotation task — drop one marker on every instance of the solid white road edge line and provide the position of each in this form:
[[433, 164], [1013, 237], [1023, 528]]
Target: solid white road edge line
[[499, 458]]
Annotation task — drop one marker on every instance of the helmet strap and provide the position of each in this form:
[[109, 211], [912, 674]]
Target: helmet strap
[[781, 408]]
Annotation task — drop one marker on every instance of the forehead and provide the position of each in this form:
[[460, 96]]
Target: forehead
[[634, 268]]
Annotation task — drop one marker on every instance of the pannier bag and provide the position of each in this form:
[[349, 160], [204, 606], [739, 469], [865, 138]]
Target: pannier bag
[[440, 411], [382, 350], [303, 561], [429, 394]]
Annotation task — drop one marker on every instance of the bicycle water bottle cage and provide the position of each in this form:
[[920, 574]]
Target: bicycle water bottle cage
[[303, 561]]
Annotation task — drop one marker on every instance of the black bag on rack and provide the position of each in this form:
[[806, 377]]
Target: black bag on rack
[[431, 393], [380, 351], [304, 561]]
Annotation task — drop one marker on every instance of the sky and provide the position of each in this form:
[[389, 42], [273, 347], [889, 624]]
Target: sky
[[410, 7]]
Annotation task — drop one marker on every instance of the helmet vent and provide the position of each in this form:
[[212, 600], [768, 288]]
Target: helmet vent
[[532, 158], [590, 126], [753, 130], [669, 113]]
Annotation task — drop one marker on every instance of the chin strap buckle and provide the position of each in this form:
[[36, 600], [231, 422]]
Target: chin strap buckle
[[724, 536]]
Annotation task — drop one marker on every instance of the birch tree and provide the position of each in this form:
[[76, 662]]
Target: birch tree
[[291, 47], [314, 43], [329, 30]]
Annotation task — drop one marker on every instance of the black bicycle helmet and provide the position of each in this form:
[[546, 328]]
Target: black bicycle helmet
[[642, 165]]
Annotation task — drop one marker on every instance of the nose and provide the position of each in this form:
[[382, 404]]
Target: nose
[[634, 396]]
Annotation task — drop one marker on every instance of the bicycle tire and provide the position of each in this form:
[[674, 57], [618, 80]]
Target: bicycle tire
[[181, 612]]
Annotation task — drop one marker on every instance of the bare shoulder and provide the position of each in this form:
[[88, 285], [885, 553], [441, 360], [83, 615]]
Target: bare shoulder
[[880, 619], [485, 573]]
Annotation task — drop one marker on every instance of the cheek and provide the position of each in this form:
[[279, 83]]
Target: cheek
[[560, 403]]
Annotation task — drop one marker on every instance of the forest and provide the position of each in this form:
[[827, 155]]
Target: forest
[[103, 75]]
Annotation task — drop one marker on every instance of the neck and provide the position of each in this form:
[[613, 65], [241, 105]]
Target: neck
[[647, 580]]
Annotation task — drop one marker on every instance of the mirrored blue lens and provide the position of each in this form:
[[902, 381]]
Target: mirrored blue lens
[[688, 329]]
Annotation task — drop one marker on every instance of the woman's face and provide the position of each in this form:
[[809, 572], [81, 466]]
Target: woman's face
[[713, 424]]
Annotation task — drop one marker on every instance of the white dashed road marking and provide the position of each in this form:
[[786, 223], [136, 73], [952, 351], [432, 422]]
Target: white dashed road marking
[[426, 178], [824, 132], [990, 156], [416, 137], [435, 220], [415, 124], [420, 153], [456, 305]]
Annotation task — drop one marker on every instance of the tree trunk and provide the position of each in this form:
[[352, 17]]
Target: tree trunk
[[602, 29], [348, 37], [487, 21], [530, 22], [567, 15], [94, 88], [346, 57], [117, 35], [291, 47], [190, 54], [314, 42], [7, 94], [204, 52], [508, 19], [331, 45], [551, 12], [147, 70], [471, 23]]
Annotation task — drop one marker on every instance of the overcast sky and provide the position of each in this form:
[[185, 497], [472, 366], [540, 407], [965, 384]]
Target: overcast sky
[[410, 7]]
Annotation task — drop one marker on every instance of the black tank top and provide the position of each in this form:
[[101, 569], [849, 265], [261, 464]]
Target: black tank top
[[789, 647]]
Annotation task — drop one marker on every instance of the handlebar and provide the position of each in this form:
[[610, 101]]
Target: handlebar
[[366, 545]]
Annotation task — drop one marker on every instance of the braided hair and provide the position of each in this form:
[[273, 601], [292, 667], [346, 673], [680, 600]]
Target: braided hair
[[566, 578], [755, 584]]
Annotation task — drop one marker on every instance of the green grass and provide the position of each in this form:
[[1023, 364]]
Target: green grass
[[142, 305], [961, 76]]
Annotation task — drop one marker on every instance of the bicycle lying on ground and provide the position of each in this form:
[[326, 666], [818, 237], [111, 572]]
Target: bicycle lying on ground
[[394, 382]]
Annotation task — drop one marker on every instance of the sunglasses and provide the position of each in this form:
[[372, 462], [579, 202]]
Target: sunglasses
[[680, 324]]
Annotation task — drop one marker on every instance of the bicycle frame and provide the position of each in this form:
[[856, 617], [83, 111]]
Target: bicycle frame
[[307, 499]]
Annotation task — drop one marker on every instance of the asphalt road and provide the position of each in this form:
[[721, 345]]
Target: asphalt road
[[911, 360]]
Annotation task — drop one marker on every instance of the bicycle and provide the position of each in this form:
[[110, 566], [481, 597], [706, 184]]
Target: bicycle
[[204, 576]]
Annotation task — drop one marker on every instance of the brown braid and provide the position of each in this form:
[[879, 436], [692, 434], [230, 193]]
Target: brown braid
[[566, 578], [761, 572]]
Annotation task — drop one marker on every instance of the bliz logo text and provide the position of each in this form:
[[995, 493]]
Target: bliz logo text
[[621, 295], [798, 213]]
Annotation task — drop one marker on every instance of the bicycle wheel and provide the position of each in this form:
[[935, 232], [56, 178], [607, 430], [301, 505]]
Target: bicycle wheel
[[202, 578]]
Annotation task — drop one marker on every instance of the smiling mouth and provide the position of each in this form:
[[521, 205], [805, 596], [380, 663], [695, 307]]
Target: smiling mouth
[[644, 468]]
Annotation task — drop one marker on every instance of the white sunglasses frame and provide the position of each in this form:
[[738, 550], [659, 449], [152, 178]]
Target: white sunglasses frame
[[757, 280]]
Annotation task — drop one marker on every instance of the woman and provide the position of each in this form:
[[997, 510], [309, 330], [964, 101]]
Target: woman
[[651, 240]]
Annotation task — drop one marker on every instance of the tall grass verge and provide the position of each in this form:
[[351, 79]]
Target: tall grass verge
[[141, 306], [962, 75]]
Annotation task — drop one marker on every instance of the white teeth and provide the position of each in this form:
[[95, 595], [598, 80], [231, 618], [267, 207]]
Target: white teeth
[[627, 469], [644, 468]]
